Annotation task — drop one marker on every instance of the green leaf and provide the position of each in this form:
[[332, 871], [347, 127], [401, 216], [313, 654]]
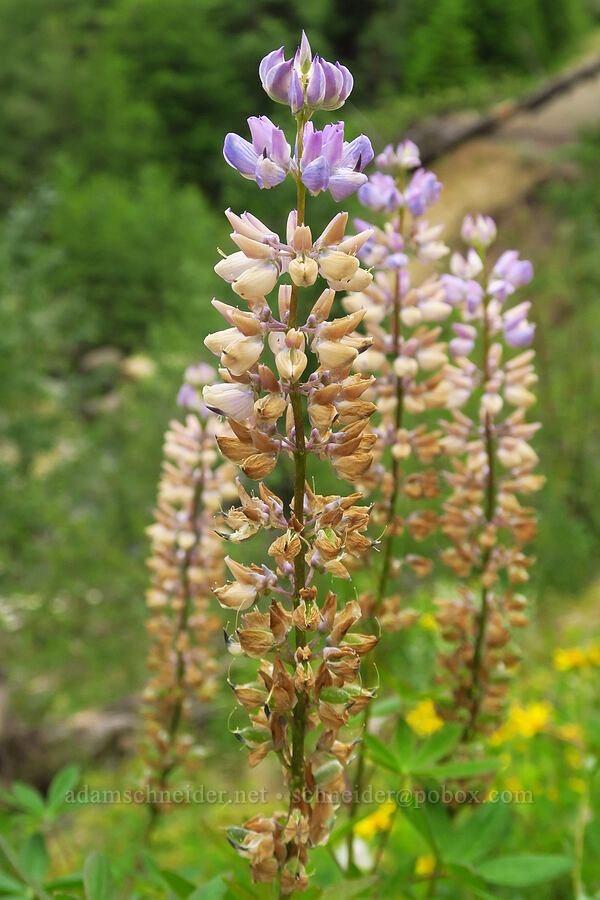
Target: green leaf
[[348, 888], [180, 886], [482, 831], [97, 878], [524, 871], [462, 769], [63, 882], [381, 754], [34, 858], [467, 878], [242, 893], [405, 744], [386, 706], [438, 745], [10, 885], [212, 890], [27, 798], [64, 781]]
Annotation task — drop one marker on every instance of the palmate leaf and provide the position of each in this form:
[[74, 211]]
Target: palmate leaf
[[97, 878], [180, 886], [236, 890], [10, 885], [215, 889], [465, 877], [26, 798], [524, 871], [65, 882], [382, 755], [438, 745], [34, 857], [64, 781], [483, 829], [349, 888], [461, 769]]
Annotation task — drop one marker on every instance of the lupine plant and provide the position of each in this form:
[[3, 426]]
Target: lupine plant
[[308, 670], [365, 392], [186, 564], [404, 315], [492, 466]]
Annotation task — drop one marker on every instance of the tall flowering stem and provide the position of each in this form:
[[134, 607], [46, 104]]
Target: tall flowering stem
[[308, 685], [492, 468], [186, 563], [299, 714], [403, 313]]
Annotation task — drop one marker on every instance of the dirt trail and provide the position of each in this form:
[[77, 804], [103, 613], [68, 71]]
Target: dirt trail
[[492, 174]]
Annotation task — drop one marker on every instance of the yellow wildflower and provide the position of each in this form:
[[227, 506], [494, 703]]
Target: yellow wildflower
[[513, 784], [380, 820], [523, 721], [570, 732], [423, 719], [577, 785], [425, 865], [427, 621], [574, 758], [593, 655], [569, 658]]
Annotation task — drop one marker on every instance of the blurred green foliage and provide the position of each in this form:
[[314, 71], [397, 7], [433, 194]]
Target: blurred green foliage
[[111, 185]]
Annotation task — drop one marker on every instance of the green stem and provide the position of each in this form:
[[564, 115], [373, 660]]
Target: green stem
[[386, 567], [34, 887], [182, 624], [298, 724], [389, 538], [490, 505]]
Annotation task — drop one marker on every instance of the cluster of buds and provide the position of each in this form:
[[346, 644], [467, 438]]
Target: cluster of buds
[[305, 83], [287, 389], [321, 160], [403, 315], [492, 470], [186, 563]]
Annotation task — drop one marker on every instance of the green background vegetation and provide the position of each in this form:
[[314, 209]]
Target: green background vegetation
[[112, 186]]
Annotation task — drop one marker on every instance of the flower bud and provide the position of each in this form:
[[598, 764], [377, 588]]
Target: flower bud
[[303, 271]]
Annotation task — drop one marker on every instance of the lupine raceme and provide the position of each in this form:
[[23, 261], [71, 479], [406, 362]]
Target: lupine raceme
[[306, 402], [186, 564], [415, 389]]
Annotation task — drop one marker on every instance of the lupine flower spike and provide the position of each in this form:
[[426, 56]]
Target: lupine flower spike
[[306, 648], [492, 470], [186, 563], [404, 318]]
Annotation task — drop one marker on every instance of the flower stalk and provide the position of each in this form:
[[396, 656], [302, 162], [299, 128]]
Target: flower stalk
[[186, 562], [492, 468], [308, 654]]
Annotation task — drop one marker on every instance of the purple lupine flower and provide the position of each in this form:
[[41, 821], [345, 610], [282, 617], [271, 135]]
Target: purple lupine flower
[[380, 193], [304, 82], [464, 342], [479, 230], [330, 163], [466, 268], [200, 374], [509, 273], [422, 192], [188, 397], [266, 160], [404, 156], [518, 332], [462, 290]]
